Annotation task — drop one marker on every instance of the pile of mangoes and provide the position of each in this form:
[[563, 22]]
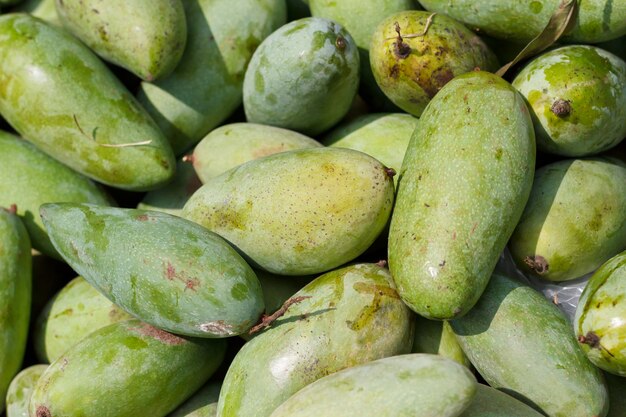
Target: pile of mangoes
[[279, 208]]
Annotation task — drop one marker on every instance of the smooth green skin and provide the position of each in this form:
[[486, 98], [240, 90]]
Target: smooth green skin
[[147, 37], [15, 297], [202, 404], [464, 182], [521, 21], [600, 312], [521, 343], [299, 212], [83, 101], [206, 87], [489, 402], [43, 9], [447, 50], [172, 197], [302, 77], [593, 81], [31, 178], [77, 310], [20, 390], [160, 268], [353, 316], [617, 399], [437, 337], [417, 385], [233, 144], [383, 136], [126, 369], [575, 218]]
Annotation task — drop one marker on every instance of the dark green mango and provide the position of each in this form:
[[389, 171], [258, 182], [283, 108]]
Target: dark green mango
[[168, 271], [202, 404], [58, 95], [437, 337], [21, 389], [127, 369]]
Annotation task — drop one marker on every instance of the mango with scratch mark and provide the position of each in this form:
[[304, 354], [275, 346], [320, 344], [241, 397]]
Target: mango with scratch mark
[[165, 270]]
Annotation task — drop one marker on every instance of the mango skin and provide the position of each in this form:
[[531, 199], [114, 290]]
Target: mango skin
[[233, 144], [437, 337], [202, 404], [85, 109], [147, 37], [354, 316], [522, 343], [465, 179], [333, 204], [206, 86], [577, 95], [96, 376], [521, 21], [411, 77], [15, 297], [599, 319], [418, 385], [574, 221], [168, 271], [32, 178], [74, 312], [20, 390], [302, 77], [489, 402]]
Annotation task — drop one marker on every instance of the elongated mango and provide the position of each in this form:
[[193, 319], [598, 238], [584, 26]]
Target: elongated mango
[[21, 389], [168, 271], [465, 179]]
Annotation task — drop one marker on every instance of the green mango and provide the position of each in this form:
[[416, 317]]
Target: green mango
[[465, 179], [86, 119], [20, 390], [299, 212], [411, 67], [126, 369], [353, 316], [43, 9], [383, 136], [489, 402], [417, 385], [49, 277], [202, 404], [77, 310], [599, 320], [302, 77], [617, 400], [577, 95], [521, 21], [168, 271], [521, 343], [437, 337], [575, 219], [147, 37], [15, 297], [233, 144], [206, 87], [31, 178], [172, 197]]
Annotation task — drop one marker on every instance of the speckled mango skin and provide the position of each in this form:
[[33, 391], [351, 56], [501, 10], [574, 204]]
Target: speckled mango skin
[[600, 314], [20, 390], [302, 77], [417, 385], [521, 21], [592, 82], [353, 316], [206, 87], [410, 78], [522, 343], [299, 212], [15, 297], [465, 179], [77, 310], [31, 178], [160, 268], [489, 402], [575, 219], [43, 9], [380, 135], [126, 369], [233, 144], [202, 404], [83, 100], [147, 37], [437, 337]]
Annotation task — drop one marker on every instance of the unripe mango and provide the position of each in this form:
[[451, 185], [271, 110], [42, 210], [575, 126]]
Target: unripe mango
[[201, 404], [490, 402], [437, 337], [21, 389]]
